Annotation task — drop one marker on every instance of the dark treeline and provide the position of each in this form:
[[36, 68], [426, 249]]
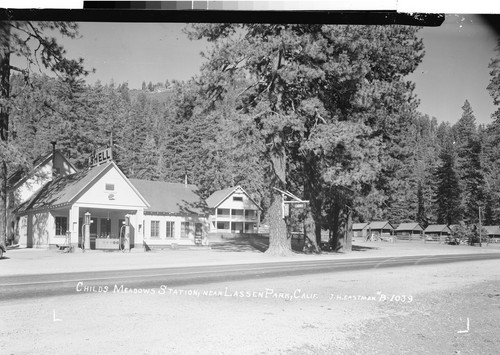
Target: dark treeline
[[323, 111], [155, 136]]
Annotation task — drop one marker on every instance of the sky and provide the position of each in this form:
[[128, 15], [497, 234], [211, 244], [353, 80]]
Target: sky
[[455, 66]]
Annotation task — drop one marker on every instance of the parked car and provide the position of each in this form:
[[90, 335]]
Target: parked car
[[452, 241]]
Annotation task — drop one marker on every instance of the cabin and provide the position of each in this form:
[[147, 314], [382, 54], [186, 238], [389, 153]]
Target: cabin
[[409, 231], [437, 229], [493, 233], [360, 230], [409, 228], [437, 233], [232, 210], [380, 228]]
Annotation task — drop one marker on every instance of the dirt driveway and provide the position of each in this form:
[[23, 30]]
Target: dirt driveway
[[413, 310]]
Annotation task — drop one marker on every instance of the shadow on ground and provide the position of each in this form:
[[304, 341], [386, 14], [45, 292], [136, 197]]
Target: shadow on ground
[[250, 244], [260, 245], [362, 248], [240, 245]]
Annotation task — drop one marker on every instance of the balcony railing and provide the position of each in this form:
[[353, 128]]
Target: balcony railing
[[237, 218]]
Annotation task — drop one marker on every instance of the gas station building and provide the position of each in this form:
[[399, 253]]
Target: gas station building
[[103, 202]]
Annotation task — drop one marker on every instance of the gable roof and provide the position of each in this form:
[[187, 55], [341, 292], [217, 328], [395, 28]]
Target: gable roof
[[359, 226], [492, 230], [19, 176], [66, 189], [172, 198], [436, 228], [380, 225], [409, 227], [220, 196]]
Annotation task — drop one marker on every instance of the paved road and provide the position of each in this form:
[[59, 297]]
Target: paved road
[[30, 286]]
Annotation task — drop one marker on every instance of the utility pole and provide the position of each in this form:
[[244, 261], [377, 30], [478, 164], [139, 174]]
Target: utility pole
[[480, 242]]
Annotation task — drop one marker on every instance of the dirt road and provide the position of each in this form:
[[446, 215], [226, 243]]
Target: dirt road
[[413, 310]]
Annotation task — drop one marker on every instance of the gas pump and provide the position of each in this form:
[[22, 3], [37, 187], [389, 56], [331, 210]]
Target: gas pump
[[125, 235], [86, 232]]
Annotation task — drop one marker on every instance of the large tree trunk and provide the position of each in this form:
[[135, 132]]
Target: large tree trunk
[[336, 227], [310, 230], [313, 212], [344, 229], [4, 120], [279, 242]]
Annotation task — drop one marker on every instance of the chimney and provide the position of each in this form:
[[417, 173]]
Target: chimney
[[54, 170]]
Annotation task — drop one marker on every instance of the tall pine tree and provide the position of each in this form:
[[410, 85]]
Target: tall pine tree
[[448, 199], [322, 99]]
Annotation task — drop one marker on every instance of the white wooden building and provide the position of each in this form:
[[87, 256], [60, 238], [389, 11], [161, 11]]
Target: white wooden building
[[176, 214], [160, 214], [232, 210], [23, 185]]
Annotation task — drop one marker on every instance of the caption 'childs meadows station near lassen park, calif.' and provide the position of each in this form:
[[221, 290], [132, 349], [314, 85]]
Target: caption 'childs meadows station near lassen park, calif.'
[[350, 171]]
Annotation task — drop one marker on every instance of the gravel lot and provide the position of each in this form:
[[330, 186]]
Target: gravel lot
[[315, 314]]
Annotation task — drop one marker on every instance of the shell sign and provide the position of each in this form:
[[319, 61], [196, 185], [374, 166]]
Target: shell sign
[[100, 157]]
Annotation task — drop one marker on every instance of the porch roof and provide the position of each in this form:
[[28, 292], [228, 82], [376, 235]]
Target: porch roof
[[380, 225], [492, 230], [359, 226], [409, 227], [437, 228]]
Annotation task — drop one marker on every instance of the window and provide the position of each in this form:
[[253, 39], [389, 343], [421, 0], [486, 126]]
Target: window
[[250, 214], [184, 229], [170, 229], [237, 212], [237, 198], [155, 229], [223, 211], [222, 225], [93, 226], [61, 225], [198, 229], [110, 187]]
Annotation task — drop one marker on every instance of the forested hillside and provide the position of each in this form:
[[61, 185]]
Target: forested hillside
[[325, 112]]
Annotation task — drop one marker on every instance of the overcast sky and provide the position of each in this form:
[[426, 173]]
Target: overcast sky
[[455, 67]]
